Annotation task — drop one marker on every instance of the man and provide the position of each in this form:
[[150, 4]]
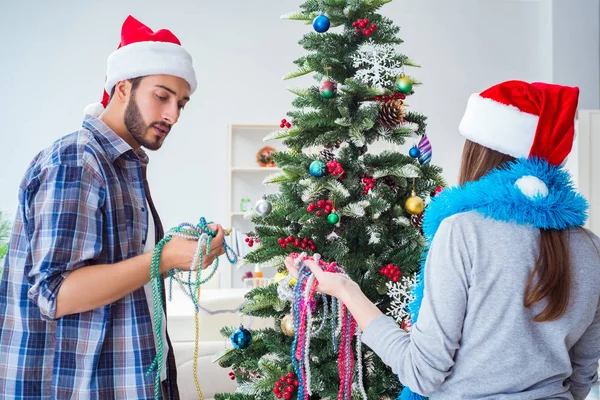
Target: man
[[76, 305]]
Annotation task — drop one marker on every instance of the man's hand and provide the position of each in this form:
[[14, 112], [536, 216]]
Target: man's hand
[[179, 252]]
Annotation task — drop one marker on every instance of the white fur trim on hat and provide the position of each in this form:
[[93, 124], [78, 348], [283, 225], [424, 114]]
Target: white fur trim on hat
[[149, 58], [94, 109], [532, 186], [500, 127]]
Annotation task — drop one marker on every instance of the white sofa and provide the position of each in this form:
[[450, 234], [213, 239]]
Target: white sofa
[[212, 378]]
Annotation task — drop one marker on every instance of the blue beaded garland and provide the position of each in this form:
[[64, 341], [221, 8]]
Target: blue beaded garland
[[241, 338], [321, 23]]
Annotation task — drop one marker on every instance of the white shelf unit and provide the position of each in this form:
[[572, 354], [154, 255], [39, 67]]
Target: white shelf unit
[[245, 182]]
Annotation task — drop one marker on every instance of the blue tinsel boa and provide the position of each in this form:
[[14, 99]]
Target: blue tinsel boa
[[496, 196]]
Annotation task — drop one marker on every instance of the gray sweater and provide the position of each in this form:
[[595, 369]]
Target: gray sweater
[[475, 339]]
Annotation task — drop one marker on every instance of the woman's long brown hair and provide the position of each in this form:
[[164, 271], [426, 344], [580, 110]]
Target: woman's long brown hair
[[551, 277]]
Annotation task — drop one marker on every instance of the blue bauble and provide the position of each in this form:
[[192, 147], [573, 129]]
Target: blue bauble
[[241, 338], [317, 169], [321, 23], [414, 152]]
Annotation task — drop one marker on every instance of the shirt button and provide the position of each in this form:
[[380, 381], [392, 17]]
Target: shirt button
[[143, 209]]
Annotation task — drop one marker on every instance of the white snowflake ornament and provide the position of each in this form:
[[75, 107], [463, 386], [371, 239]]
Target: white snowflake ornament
[[376, 64]]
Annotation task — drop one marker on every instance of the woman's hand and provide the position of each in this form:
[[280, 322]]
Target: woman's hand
[[342, 287], [330, 283]]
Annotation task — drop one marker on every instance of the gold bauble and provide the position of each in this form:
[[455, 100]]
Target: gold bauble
[[414, 204], [287, 325]]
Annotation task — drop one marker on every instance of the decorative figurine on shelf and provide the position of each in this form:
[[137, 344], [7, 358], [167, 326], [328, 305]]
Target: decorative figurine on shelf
[[264, 157], [245, 205]]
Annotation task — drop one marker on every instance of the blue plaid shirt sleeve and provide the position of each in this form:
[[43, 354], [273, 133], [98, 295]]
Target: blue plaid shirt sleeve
[[64, 224]]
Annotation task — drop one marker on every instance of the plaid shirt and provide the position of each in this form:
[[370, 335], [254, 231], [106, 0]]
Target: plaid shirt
[[82, 202]]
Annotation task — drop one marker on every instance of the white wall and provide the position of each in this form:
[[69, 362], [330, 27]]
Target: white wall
[[54, 55]]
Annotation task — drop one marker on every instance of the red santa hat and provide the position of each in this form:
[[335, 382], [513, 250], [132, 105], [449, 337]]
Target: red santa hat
[[143, 52], [523, 119]]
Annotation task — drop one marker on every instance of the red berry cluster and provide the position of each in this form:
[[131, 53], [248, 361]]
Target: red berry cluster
[[251, 240], [285, 386], [285, 124], [362, 26], [391, 271], [254, 374], [369, 183], [292, 241], [326, 205], [335, 168], [386, 97]]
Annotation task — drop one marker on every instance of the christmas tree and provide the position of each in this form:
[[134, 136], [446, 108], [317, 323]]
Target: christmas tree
[[359, 209]]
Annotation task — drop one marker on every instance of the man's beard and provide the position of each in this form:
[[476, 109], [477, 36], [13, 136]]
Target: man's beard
[[139, 130]]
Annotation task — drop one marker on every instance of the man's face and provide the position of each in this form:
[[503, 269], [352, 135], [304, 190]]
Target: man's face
[[154, 107]]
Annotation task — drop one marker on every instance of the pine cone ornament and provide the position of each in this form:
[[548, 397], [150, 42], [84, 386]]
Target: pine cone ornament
[[363, 149], [295, 228], [327, 155], [417, 221], [388, 180], [391, 114]]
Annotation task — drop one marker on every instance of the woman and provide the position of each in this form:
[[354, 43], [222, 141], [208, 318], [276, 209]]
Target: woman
[[508, 297]]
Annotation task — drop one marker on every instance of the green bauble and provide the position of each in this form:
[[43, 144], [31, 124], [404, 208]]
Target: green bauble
[[404, 84], [333, 218]]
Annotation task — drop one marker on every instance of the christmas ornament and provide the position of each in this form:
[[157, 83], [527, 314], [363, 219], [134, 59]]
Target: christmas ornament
[[391, 114], [250, 240], [390, 182], [317, 169], [404, 84], [285, 124], [369, 183], [241, 338], [285, 386], [337, 144], [304, 243], [335, 168], [417, 220], [437, 191], [387, 97], [333, 218], [328, 89], [377, 64], [362, 26], [321, 23], [424, 150], [287, 325], [264, 157], [324, 206], [391, 271], [414, 152], [295, 228], [414, 204], [263, 207], [327, 155], [400, 294], [280, 275], [363, 150]]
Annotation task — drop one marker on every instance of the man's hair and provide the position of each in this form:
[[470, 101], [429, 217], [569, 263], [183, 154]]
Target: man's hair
[[135, 82]]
